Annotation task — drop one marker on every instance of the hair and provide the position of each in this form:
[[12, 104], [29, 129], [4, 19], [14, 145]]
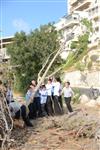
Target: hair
[[0, 82], [58, 79], [50, 79], [43, 86], [68, 82]]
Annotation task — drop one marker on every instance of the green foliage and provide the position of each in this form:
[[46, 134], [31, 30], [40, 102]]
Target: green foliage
[[76, 96], [80, 66], [31, 51], [73, 45], [88, 25], [80, 47], [89, 65]]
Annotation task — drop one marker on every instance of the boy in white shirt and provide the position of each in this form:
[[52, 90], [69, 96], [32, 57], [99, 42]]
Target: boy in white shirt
[[43, 99], [68, 93], [57, 90], [49, 105]]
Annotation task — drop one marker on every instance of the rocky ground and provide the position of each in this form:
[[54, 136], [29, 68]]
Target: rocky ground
[[76, 131]]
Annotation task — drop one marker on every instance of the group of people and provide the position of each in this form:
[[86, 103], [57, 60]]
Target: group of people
[[47, 100]]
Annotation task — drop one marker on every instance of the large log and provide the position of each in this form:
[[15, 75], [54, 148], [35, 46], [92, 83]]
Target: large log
[[6, 122]]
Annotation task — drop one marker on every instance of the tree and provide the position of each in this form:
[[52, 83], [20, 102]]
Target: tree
[[31, 51], [80, 46]]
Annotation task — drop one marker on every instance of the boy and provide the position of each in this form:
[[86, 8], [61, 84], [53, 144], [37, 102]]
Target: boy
[[19, 111], [49, 105], [68, 93], [43, 99]]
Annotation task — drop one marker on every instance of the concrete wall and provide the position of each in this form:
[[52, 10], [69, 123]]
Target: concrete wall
[[87, 79]]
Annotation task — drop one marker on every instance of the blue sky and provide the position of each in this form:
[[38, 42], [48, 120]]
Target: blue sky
[[17, 15]]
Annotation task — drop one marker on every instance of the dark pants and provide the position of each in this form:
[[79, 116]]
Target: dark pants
[[32, 110], [68, 103], [49, 106], [22, 113], [43, 110], [35, 108], [57, 108], [60, 102]]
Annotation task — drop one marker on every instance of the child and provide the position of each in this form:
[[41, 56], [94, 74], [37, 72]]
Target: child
[[19, 111], [43, 99], [49, 105], [68, 93], [29, 93]]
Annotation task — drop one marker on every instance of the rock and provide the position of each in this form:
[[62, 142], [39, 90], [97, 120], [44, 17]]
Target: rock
[[97, 138], [84, 99], [91, 103], [98, 101]]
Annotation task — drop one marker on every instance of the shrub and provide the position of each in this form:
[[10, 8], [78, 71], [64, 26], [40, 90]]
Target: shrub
[[76, 96], [89, 65]]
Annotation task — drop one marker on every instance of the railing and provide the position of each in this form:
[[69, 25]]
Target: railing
[[81, 3]]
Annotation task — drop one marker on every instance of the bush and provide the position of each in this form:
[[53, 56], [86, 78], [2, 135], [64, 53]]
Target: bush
[[89, 65], [80, 66], [76, 96]]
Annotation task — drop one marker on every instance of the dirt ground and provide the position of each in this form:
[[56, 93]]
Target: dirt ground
[[60, 133]]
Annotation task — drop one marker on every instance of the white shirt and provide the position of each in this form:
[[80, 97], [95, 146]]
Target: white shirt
[[57, 88], [9, 95], [14, 107], [49, 88], [43, 96], [68, 92]]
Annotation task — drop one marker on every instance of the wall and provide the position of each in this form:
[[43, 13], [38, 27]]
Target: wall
[[83, 79]]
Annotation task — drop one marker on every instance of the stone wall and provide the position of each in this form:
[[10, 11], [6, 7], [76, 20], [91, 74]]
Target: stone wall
[[87, 79]]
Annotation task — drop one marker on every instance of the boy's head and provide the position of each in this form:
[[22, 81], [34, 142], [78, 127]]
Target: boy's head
[[49, 81], [34, 82], [43, 86], [58, 79], [67, 84]]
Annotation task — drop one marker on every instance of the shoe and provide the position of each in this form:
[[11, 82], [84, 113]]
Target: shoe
[[29, 124]]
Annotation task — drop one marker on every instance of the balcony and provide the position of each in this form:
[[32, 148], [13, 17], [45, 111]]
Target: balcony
[[73, 2], [82, 5], [69, 36], [70, 21], [67, 22]]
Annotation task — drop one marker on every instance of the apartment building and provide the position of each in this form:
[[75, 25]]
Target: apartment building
[[3, 48], [92, 7], [70, 28], [70, 25]]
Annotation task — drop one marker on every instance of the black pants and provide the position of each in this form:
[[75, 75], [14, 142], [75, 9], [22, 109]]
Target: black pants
[[35, 108], [22, 113], [57, 107], [49, 106], [43, 109], [60, 102], [32, 110], [68, 103]]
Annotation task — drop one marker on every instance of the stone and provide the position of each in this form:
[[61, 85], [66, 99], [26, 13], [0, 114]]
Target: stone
[[98, 101], [91, 103], [84, 99]]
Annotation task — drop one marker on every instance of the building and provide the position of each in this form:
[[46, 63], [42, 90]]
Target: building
[[70, 29], [4, 42], [92, 7], [70, 25]]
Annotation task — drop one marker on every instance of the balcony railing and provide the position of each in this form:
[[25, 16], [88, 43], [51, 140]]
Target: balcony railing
[[69, 37], [82, 4]]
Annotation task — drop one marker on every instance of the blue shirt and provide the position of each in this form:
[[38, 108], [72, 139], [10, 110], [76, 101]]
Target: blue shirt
[[43, 96]]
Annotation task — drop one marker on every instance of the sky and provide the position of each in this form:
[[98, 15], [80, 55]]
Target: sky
[[26, 15]]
